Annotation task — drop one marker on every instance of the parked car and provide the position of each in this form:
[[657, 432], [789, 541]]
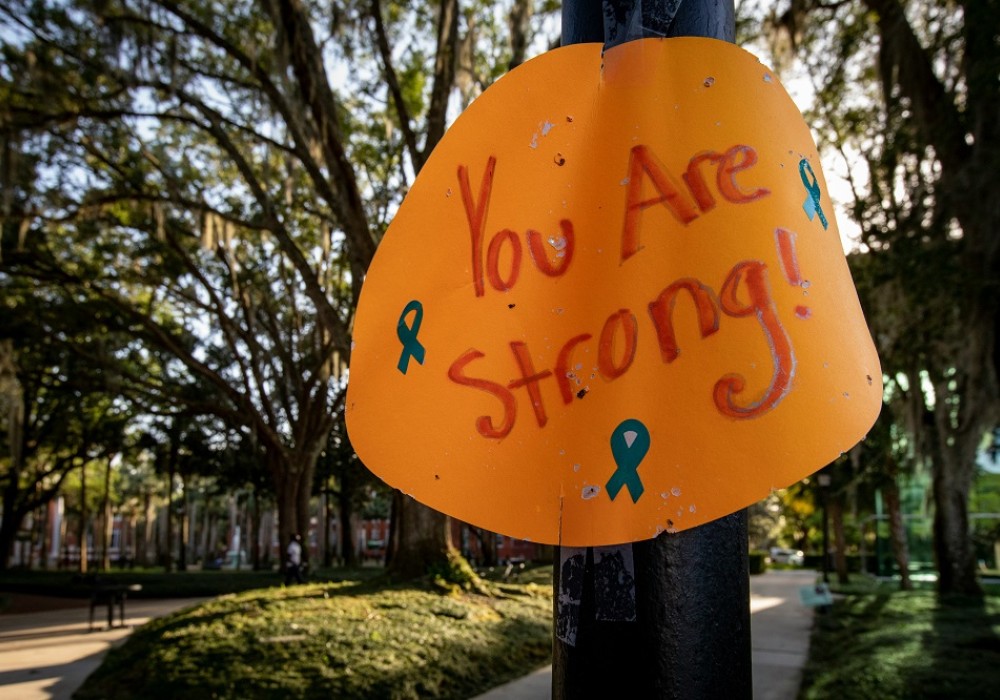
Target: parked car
[[795, 557]]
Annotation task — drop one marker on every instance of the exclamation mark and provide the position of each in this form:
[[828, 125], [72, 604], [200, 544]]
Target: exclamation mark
[[790, 266]]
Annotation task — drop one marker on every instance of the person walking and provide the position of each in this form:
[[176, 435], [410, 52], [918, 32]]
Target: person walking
[[293, 560]]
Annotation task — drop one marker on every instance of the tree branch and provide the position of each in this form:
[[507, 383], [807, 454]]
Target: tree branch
[[444, 76], [395, 91], [307, 64], [908, 66]]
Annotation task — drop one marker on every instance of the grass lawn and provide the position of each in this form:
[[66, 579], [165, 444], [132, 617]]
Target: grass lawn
[[887, 644], [348, 639]]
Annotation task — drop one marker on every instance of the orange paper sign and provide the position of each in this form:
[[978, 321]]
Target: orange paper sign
[[613, 303]]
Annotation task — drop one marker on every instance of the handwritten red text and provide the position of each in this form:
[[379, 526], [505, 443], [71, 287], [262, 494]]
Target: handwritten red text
[[503, 280], [683, 205], [745, 293]]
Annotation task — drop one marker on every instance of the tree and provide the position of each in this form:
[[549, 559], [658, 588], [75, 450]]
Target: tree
[[56, 411], [269, 365], [884, 456], [224, 191], [353, 486], [240, 465], [906, 93], [801, 513]]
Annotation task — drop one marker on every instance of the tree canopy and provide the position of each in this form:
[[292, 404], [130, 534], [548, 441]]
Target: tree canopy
[[907, 102], [216, 177], [192, 193]]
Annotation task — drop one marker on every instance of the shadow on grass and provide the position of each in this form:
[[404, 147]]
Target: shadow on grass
[[844, 643], [905, 646], [962, 652]]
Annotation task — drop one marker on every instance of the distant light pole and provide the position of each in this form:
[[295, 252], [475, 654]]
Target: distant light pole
[[824, 493]]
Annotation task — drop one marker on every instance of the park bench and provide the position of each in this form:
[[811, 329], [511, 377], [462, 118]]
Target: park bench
[[111, 594]]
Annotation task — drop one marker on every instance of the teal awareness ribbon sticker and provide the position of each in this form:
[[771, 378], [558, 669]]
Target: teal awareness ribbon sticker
[[629, 445], [809, 181], [407, 335]]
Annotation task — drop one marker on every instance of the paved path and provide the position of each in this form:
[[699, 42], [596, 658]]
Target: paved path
[[47, 655], [779, 626]]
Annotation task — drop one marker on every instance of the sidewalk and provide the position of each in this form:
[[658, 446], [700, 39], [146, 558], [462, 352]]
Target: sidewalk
[[61, 640], [779, 625]]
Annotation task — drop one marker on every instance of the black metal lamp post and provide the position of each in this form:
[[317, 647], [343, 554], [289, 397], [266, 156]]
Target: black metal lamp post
[[668, 617]]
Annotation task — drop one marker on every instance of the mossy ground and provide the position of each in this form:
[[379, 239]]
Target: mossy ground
[[334, 640], [905, 646]]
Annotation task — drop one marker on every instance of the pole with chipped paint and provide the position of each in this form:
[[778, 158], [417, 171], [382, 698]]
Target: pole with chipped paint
[[668, 617]]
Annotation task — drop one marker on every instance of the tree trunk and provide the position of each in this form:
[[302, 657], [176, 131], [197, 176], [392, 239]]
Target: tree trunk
[[168, 558], [267, 536], [193, 526], [161, 535], [345, 505], [9, 525], [953, 551], [303, 497], [256, 527], [839, 538], [213, 548], [106, 520], [83, 519], [954, 471], [392, 541], [519, 21], [489, 542], [133, 539], [63, 532], [207, 544], [292, 475], [184, 524], [287, 491], [234, 535], [897, 533], [12, 401], [487, 545], [423, 540], [327, 519], [248, 526], [43, 556], [147, 529], [33, 539]]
